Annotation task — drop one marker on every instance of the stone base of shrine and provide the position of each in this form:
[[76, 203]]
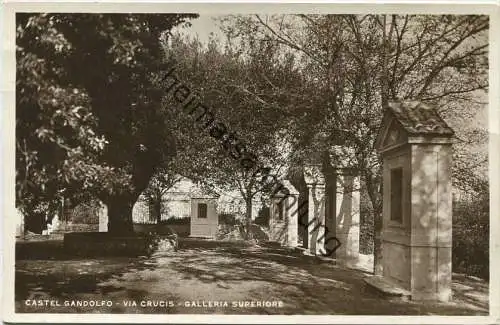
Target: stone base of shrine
[[387, 288]]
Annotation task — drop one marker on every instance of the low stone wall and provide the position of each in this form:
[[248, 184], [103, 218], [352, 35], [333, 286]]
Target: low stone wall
[[78, 227], [180, 230], [40, 249], [102, 244]]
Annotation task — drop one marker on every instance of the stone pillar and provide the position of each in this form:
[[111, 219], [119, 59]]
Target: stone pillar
[[283, 219], [277, 225], [347, 205], [19, 224], [54, 225], [103, 218], [292, 216], [316, 209], [330, 215]]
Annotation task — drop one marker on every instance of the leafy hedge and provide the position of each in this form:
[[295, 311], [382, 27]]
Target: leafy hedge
[[176, 221], [471, 236], [86, 212], [366, 234], [228, 219], [366, 223]]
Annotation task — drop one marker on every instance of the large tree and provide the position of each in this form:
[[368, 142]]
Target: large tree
[[89, 117], [354, 64], [244, 91]]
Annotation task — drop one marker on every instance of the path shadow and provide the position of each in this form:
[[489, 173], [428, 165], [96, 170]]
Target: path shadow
[[68, 278], [307, 286], [470, 290]]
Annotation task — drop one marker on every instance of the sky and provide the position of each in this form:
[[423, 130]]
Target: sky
[[202, 27]]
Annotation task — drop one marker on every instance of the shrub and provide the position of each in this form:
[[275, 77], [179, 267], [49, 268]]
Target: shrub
[[86, 212], [367, 225], [227, 219], [366, 234], [471, 237], [156, 242], [255, 233], [176, 221]]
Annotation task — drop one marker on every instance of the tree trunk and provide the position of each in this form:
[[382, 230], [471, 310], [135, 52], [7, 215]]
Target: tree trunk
[[375, 194], [330, 203], [157, 210], [377, 243], [120, 215], [248, 218], [376, 197], [35, 222]]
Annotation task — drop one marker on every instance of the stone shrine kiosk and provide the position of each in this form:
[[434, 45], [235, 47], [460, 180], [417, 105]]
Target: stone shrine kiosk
[[415, 144], [204, 218], [283, 219]]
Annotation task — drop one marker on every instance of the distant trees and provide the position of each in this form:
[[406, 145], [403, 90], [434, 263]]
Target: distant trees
[[352, 64], [240, 89], [158, 186], [88, 114], [471, 226], [314, 83], [92, 116]]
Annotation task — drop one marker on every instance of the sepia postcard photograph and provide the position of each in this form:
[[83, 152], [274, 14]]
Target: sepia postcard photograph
[[232, 163]]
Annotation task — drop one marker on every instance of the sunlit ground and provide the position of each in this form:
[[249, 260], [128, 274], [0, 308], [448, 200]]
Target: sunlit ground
[[180, 279]]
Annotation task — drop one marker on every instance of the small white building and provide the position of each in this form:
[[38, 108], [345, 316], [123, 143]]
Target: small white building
[[204, 218], [176, 203]]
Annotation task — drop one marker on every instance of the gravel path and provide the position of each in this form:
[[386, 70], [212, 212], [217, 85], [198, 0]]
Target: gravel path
[[218, 280]]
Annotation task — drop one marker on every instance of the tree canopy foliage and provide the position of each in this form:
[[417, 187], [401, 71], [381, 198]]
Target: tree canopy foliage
[[93, 118], [353, 64], [227, 82], [89, 119]]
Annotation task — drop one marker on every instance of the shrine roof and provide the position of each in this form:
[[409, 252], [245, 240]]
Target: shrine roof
[[419, 118]]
